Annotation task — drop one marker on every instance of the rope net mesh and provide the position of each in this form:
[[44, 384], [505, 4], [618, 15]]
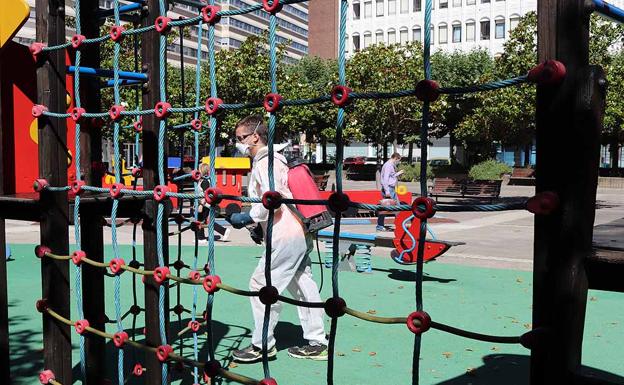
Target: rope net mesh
[[202, 368]]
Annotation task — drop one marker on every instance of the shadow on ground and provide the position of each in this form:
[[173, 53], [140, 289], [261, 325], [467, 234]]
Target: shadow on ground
[[513, 369]]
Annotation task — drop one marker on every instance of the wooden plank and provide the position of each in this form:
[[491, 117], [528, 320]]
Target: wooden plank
[[568, 116], [149, 53], [50, 21]]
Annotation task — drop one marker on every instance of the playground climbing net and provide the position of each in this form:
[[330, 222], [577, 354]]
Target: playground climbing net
[[209, 368]]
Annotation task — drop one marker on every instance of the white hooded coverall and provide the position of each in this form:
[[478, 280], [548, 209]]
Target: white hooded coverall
[[290, 260]]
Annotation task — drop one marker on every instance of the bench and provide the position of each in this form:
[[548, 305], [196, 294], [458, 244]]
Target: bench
[[447, 187], [451, 188], [483, 189], [321, 181], [522, 176]]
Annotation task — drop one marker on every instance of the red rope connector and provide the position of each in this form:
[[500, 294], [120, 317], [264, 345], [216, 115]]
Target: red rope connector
[[268, 381], [271, 200], [196, 175], [163, 351], [116, 264], [340, 95], [77, 187], [212, 105], [197, 225], [335, 307], [423, 213], [76, 113], [116, 190], [36, 49], [116, 32], [46, 376], [194, 275], [41, 251], [81, 326], [138, 125], [38, 110], [212, 196], [272, 6], [427, 90], [160, 192], [338, 202], [211, 282], [137, 172], [211, 370], [424, 320], [194, 326], [268, 295], [210, 14], [41, 305], [196, 125], [120, 338], [137, 370], [40, 184], [115, 112], [543, 203], [162, 24], [548, 73], [161, 274], [77, 257], [162, 110], [76, 41], [272, 101]]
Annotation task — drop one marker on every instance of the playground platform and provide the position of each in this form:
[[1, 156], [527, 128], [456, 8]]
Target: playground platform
[[496, 301]]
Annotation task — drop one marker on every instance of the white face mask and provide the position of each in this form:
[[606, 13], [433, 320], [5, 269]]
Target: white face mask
[[244, 148]]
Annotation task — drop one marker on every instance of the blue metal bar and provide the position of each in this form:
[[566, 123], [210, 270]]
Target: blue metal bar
[[348, 236], [608, 10], [108, 73], [122, 9], [122, 82]]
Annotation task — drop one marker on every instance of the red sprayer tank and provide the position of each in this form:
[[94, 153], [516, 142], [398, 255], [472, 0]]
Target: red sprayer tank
[[302, 186]]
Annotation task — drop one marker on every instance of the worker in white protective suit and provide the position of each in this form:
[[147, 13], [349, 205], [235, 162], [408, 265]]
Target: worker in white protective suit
[[290, 249]]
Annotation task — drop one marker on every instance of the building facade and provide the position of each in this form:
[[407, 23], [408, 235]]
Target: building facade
[[292, 29], [455, 24]]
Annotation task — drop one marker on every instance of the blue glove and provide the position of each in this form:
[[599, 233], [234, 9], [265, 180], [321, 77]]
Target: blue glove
[[240, 220]]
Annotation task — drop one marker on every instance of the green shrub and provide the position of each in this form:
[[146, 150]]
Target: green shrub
[[412, 172], [490, 169]]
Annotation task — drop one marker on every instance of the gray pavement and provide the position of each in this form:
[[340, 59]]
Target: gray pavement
[[493, 239]]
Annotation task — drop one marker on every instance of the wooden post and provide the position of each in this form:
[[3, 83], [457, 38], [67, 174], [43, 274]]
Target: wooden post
[[569, 120], [50, 20], [151, 95], [91, 222]]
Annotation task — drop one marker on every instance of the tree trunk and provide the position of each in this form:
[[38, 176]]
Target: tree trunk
[[324, 144], [527, 154], [614, 148], [410, 153], [517, 159], [385, 152]]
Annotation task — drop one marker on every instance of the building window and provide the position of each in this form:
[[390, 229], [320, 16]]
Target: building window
[[403, 36], [356, 11], [356, 43], [443, 34], [417, 34], [470, 31], [471, 2], [485, 30], [431, 34], [457, 3], [456, 33], [404, 6], [368, 39], [417, 5], [380, 8], [379, 38], [391, 7], [499, 29], [346, 43], [368, 10], [513, 22], [485, 1], [391, 36], [443, 4]]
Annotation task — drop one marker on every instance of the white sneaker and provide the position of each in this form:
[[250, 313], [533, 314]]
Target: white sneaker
[[226, 235], [202, 242]]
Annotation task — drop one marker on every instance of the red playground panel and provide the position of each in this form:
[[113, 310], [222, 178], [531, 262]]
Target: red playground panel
[[406, 250], [20, 132]]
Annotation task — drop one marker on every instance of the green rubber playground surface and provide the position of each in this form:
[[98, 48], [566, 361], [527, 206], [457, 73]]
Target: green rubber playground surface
[[481, 300]]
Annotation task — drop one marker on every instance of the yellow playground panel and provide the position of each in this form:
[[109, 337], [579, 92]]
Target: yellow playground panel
[[13, 14]]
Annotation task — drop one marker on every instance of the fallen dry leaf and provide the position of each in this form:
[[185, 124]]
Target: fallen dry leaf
[[341, 354], [233, 365], [356, 349], [447, 354], [372, 354], [371, 311]]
